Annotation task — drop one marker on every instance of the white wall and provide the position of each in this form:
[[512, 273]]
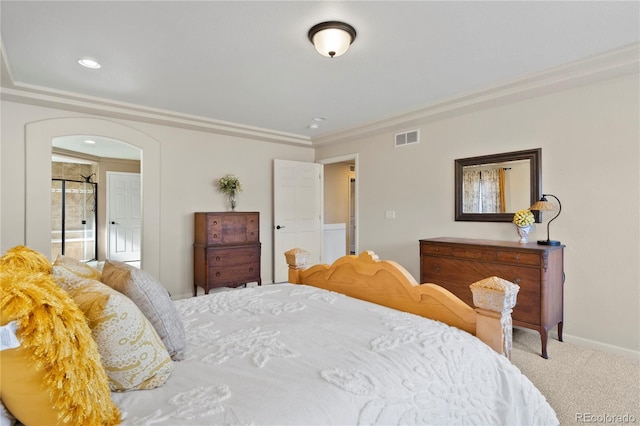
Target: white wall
[[182, 166], [589, 137]]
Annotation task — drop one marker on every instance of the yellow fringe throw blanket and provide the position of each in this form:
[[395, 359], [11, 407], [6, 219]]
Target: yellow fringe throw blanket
[[66, 383]]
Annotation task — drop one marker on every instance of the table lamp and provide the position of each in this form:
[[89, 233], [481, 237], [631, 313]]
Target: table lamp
[[545, 205]]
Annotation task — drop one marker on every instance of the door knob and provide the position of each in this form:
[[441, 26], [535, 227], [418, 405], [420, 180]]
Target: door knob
[[113, 223], [278, 227]]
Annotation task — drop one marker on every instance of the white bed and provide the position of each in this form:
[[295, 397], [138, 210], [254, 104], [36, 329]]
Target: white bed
[[290, 354]]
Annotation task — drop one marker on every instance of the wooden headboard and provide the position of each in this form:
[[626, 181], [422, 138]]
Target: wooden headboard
[[389, 284]]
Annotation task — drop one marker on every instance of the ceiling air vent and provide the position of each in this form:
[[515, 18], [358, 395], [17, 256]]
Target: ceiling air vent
[[407, 138]]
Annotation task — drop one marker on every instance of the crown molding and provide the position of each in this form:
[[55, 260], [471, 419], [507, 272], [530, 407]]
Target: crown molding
[[614, 63], [617, 62], [124, 111], [50, 98]]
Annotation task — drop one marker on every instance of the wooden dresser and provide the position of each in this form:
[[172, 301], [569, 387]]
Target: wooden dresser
[[455, 263], [226, 251]]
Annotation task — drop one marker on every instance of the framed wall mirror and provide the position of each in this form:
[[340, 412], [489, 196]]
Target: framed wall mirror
[[491, 188]]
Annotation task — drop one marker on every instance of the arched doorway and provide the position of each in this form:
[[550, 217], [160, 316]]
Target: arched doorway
[[83, 199], [38, 137]]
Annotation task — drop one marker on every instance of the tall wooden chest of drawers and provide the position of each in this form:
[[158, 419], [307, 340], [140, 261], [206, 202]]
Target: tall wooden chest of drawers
[[455, 263], [226, 250]]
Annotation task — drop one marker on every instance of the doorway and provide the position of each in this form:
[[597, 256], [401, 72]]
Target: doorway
[[38, 152], [85, 160], [340, 206]]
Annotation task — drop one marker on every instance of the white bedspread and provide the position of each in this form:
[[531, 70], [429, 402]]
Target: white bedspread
[[295, 355]]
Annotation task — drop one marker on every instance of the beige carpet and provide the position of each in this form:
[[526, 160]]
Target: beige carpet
[[583, 385]]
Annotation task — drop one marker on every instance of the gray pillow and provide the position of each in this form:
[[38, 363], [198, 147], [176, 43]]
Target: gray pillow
[[152, 299]]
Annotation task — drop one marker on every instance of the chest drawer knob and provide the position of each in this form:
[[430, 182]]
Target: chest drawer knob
[[217, 258], [518, 256], [517, 280], [436, 269], [250, 269], [218, 274], [215, 235]]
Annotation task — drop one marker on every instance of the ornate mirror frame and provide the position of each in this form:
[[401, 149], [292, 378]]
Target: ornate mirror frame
[[533, 155]]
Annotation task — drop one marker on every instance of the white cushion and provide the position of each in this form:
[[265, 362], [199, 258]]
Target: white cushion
[[152, 299]]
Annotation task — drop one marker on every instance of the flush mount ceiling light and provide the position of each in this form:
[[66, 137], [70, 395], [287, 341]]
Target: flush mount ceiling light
[[332, 38], [89, 63]]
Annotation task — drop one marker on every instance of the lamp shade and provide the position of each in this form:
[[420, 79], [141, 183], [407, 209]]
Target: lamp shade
[[543, 205], [332, 38]]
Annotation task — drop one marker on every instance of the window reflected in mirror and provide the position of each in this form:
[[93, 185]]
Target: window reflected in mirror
[[496, 187]]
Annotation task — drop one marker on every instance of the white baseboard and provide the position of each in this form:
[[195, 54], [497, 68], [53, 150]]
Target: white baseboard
[[604, 347]]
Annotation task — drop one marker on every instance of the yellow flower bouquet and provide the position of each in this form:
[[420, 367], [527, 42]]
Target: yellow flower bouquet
[[523, 218]]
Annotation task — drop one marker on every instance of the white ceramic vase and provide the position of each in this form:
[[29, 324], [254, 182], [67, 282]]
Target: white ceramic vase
[[523, 232]]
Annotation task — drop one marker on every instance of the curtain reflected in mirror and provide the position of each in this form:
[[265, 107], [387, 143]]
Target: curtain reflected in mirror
[[483, 190], [492, 188]]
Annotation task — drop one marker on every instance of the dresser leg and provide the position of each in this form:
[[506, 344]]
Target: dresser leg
[[544, 336], [560, 331], [195, 290]]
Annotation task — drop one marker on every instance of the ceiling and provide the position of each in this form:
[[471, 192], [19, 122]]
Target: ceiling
[[251, 63], [96, 147]]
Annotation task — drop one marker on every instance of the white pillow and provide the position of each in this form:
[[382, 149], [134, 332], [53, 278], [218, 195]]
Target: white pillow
[[152, 299]]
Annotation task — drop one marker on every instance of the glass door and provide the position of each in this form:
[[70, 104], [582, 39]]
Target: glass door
[[74, 217]]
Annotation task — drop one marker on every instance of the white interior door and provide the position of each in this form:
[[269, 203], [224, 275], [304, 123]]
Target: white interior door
[[297, 212], [124, 216]]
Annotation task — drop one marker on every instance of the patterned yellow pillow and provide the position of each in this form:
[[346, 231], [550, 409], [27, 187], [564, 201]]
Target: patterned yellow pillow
[[68, 266], [133, 356], [54, 377]]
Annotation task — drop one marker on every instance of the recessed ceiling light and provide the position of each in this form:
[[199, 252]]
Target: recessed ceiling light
[[89, 63], [319, 119], [90, 142], [313, 126]]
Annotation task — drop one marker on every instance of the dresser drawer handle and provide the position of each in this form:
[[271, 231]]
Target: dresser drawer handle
[[217, 258], [250, 269], [215, 235], [437, 248], [215, 222], [516, 280], [218, 274], [436, 269]]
